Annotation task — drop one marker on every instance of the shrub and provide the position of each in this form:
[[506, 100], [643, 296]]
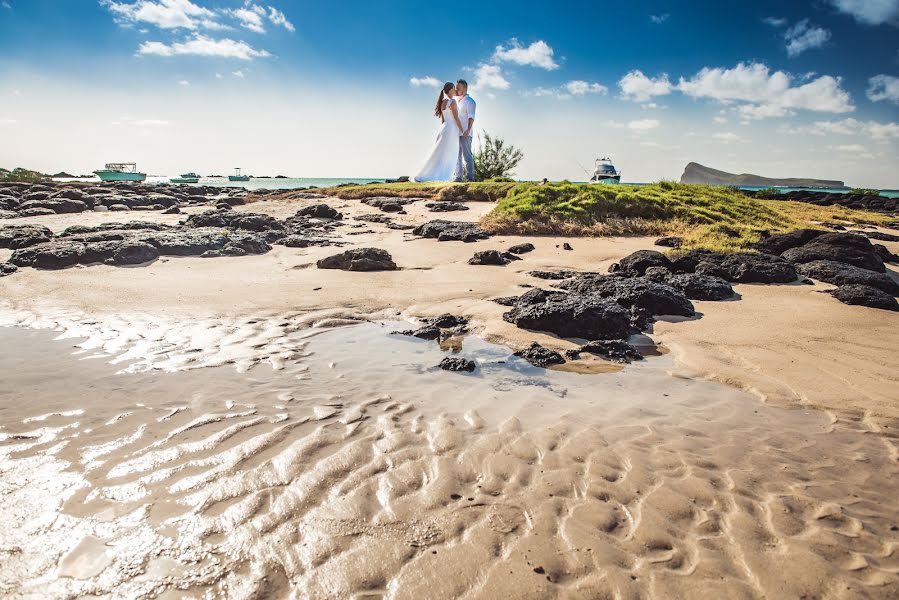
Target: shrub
[[21, 175], [495, 159]]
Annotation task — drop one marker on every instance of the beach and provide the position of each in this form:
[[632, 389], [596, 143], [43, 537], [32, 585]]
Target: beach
[[253, 426]]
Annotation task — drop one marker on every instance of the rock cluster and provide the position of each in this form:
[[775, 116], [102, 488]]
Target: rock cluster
[[492, 257], [451, 231], [439, 328], [539, 356], [213, 233], [28, 200], [359, 259], [445, 206], [856, 200]]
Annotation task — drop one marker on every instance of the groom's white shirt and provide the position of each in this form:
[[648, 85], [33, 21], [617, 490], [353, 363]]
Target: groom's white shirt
[[467, 107]]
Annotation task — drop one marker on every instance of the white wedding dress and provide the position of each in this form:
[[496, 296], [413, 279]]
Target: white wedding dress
[[442, 161]]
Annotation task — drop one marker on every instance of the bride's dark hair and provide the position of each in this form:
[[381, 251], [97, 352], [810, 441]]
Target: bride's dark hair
[[438, 110]]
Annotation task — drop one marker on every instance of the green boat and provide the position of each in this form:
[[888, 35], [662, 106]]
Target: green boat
[[237, 176], [120, 172], [186, 178]]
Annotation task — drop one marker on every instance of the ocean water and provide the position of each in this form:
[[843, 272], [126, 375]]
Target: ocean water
[[272, 183]]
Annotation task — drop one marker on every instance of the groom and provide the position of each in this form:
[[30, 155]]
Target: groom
[[466, 106]]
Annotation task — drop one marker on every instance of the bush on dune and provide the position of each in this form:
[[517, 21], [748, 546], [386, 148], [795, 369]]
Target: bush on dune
[[21, 175]]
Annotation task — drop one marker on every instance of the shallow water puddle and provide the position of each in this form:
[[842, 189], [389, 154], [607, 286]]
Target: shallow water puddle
[[360, 470]]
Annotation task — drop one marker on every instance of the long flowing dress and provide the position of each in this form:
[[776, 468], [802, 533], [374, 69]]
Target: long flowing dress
[[442, 161]]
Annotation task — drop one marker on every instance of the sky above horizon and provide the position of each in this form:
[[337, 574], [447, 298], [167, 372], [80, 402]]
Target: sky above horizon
[[347, 89]]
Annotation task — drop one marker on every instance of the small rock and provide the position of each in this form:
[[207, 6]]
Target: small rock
[[614, 350], [539, 356], [670, 242], [359, 259], [567, 246], [172, 210], [457, 364], [489, 257], [522, 248]]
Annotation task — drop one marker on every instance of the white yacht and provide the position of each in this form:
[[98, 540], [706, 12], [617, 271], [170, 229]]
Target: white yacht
[[605, 172]]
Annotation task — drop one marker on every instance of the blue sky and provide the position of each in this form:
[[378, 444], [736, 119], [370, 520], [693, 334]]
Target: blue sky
[[346, 88]]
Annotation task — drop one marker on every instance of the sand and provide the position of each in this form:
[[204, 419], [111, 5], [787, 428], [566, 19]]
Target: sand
[[225, 429]]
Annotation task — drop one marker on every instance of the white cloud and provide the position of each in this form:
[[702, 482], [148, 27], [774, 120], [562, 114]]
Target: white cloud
[[239, 73], [719, 120], [218, 75], [871, 129], [278, 18], [165, 14], [7, 121], [490, 76], [774, 21], [251, 17], [202, 45], [849, 148], [870, 12], [579, 88], [640, 88], [883, 87], [183, 82], [427, 81], [539, 54], [766, 94], [643, 124], [803, 36], [726, 136], [149, 123], [659, 19]]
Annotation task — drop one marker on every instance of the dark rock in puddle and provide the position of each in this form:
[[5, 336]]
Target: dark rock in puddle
[[7, 269], [522, 248], [457, 365], [841, 274], [446, 231], [359, 259], [639, 261], [614, 350], [670, 242], [439, 328], [865, 295], [846, 248], [320, 211], [22, 236], [446, 206], [570, 315], [492, 257], [539, 356]]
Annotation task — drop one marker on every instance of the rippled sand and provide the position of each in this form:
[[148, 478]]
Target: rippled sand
[[359, 471]]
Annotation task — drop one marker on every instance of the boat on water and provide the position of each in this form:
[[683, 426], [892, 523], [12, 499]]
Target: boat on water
[[237, 176], [186, 178], [120, 172], [605, 172]]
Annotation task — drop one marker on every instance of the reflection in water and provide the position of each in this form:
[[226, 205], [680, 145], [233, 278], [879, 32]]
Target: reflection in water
[[360, 470]]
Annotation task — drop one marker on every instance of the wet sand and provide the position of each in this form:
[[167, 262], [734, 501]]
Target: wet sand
[[226, 429], [360, 476]]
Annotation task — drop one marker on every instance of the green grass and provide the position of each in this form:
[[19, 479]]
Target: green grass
[[21, 175], [712, 217]]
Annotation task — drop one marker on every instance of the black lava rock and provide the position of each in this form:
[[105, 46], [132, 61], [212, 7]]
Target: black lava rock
[[320, 211], [446, 206], [539, 356], [847, 248], [639, 261], [614, 350], [457, 364], [701, 287], [359, 259], [842, 274], [865, 295], [522, 248], [570, 315], [447, 231], [670, 242], [491, 257]]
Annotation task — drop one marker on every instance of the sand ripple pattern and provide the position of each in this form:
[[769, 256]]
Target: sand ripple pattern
[[371, 498]]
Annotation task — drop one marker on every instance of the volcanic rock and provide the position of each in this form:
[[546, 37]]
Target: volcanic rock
[[570, 315], [539, 356], [522, 248], [842, 274], [865, 295], [457, 364], [359, 259], [446, 231]]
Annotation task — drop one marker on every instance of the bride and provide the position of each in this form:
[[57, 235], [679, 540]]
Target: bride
[[442, 161]]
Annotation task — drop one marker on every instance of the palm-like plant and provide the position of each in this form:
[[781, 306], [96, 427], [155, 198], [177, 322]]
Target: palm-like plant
[[494, 158]]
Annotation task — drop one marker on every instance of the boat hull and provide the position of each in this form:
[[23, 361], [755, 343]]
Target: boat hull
[[185, 180], [120, 176], [238, 177], [612, 179]]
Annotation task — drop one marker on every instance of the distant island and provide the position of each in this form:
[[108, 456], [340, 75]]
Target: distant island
[[696, 173]]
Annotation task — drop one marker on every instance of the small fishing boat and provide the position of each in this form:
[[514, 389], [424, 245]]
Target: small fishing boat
[[120, 172], [605, 172], [186, 178], [237, 176]]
